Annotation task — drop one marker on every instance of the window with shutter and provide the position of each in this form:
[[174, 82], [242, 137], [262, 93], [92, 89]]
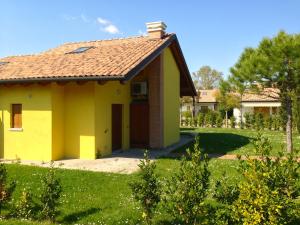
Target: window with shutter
[[16, 116]]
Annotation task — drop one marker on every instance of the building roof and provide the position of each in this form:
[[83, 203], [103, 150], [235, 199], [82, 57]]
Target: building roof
[[207, 96], [266, 95], [115, 59]]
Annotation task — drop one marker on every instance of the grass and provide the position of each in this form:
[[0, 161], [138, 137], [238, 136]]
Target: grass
[[105, 198], [97, 198], [238, 141]]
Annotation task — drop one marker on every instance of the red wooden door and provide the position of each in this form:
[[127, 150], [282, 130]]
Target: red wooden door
[[116, 119], [139, 125]]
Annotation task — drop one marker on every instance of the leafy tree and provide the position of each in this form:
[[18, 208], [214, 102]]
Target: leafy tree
[[187, 189], [146, 190], [226, 99], [207, 78], [275, 62]]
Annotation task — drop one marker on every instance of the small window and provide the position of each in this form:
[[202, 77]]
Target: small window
[[80, 50], [188, 108], [16, 116]]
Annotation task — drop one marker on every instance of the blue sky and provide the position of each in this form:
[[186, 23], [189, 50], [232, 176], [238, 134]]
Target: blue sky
[[210, 32]]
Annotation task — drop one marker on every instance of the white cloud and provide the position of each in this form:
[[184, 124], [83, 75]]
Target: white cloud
[[103, 21], [112, 29], [108, 26]]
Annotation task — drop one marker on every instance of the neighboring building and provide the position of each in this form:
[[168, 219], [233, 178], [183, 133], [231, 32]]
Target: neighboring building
[[85, 99], [266, 102], [205, 101]]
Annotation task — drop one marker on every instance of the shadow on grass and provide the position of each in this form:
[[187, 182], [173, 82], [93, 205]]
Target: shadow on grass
[[215, 143], [222, 143], [76, 216]]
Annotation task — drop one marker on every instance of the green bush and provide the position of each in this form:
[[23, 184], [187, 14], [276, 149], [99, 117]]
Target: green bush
[[147, 190], [6, 188], [51, 191], [276, 122], [259, 121], [25, 208], [219, 120], [268, 190], [200, 118], [268, 122], [187, 189], [248, 120], [232, 122]]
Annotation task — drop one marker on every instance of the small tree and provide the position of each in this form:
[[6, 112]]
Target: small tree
[[187, 189], [147, 189], [6, 188], [227, 99], [51, 191], [25, 206]]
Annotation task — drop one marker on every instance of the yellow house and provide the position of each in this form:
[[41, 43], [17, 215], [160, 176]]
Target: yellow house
[[86, 99]]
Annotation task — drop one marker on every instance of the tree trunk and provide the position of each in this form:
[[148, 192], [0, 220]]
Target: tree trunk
[[289, 125], [226, 118]]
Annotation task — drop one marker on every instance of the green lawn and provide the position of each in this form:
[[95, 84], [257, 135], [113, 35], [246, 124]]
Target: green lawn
[[99, 198], [238, 141], [105, 198]]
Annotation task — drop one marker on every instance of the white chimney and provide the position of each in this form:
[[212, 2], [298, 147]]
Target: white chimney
[[156, 29]]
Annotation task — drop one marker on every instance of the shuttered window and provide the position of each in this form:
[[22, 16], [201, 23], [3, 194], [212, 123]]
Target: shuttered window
[[16, 116]]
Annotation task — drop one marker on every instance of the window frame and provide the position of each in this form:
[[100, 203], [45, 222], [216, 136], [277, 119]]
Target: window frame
[[16, 110]]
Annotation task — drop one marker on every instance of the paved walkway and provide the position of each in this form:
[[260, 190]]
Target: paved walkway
[[125, 162]]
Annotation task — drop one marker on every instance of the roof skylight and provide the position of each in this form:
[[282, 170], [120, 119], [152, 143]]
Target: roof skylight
[[80, 50], [3, 63]]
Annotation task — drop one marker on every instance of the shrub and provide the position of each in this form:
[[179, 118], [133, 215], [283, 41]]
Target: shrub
[[200, 118], [276, 122], [259, 121], [219, 120], [25, 206], [187, 114], [207, 119], [268, 189], [268, 122], [6, 188], [147, 190], [187, 189], [232, 122], [248, 121], [51, 191]]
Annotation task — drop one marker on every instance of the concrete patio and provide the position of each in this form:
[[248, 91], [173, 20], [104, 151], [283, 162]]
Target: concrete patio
[[124, 162]]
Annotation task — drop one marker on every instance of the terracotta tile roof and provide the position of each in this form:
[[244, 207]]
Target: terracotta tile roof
[[267, 95], [107, 58], [208, 96]]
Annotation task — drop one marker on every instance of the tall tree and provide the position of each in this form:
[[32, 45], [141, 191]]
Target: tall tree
[[207, 78], [226, 99], [275, 62]]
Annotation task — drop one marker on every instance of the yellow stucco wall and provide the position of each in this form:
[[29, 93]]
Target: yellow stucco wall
[[171, 102], [79, 121], [58, 126], [34, 141], [105, 95]]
